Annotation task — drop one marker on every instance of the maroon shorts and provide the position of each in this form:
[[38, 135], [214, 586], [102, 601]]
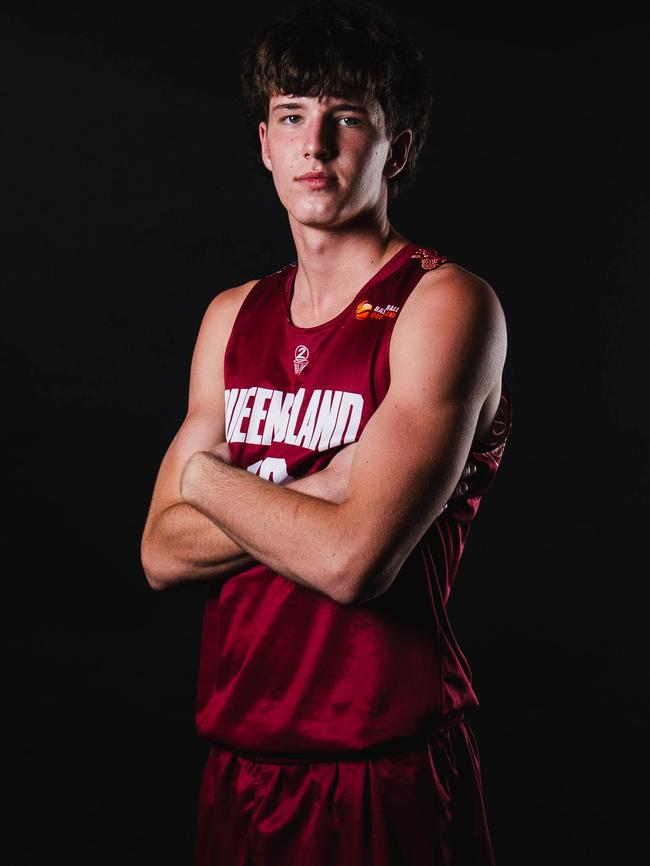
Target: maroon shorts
[[422, 807]]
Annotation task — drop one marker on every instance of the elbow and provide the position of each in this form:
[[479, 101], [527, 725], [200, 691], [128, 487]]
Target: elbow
[[159, 577], [366, 590], [340, 573], [154, 580], [343, 595], [360, 582]]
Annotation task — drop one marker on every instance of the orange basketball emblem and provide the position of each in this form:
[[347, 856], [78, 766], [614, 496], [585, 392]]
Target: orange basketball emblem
[[363, 310]]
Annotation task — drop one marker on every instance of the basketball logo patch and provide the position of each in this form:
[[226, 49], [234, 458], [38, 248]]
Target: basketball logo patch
[[363, 310]]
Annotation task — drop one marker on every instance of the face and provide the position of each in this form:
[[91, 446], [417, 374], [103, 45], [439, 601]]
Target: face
[[330, 157]]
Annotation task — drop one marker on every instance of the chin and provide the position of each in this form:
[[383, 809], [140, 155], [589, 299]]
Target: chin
[[315, 216], [312, 210], [314, 220]]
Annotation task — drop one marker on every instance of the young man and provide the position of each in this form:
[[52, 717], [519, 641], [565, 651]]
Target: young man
[[333, 405]]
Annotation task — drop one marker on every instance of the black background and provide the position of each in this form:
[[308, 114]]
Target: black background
[[130, 198]]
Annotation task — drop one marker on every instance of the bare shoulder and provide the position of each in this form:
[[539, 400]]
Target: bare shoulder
[[206, 373], [220, 315], [452, 297], [223, 308], [451, 285], [451, 331]]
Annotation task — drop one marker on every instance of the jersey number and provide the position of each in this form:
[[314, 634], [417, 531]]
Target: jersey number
[[272, 469]]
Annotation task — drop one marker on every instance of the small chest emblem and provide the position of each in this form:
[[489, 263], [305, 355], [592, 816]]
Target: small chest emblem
[[365, 309], [301, 358]]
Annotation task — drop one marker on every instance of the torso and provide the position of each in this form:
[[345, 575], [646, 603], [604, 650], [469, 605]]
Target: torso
[[302, 318], [287, 670]]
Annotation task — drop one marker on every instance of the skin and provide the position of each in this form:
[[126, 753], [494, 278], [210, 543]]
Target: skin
[[207, 517], [341, 233]]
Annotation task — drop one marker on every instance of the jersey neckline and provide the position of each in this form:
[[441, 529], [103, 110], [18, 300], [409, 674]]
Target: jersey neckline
[[397, 259]]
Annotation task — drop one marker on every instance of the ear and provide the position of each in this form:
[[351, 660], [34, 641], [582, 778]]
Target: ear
[[264, 144], [398, 153]]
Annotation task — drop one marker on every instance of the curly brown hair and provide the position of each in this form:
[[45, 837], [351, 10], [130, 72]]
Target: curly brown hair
[[347, 49]]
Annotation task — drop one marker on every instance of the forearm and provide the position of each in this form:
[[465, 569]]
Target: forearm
[[296, 535], [184, 546], [314, 540]]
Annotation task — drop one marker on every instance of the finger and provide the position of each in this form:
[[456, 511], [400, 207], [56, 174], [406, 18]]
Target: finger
[[470, 469], [222, 451], [460, 489]]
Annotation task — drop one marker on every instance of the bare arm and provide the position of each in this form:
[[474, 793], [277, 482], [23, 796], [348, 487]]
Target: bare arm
[[447, 354], [183, 546], [180, 544]]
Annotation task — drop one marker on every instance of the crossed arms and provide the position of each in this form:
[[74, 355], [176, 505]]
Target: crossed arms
[[347, 530]]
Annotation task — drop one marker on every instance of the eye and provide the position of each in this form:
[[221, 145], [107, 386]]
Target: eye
[[348, 121], [291, 119]]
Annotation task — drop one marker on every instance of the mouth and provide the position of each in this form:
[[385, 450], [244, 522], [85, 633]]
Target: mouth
[[316, 179]]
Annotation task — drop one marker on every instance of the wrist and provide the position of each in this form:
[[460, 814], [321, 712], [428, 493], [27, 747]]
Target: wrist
[[195, 473]]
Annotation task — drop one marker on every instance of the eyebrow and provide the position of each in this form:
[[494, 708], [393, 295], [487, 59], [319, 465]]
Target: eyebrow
[[347, 106]]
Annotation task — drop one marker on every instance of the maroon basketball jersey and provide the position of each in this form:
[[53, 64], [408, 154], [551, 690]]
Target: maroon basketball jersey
[[285, 669]]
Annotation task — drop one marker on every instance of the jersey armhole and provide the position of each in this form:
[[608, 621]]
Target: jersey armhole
[[501, 424]]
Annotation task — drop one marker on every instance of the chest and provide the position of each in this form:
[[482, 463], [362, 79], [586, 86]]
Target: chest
[[292, 392]]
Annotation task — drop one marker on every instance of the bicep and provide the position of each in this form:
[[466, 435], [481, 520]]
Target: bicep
[[445, 357], [407, 463]]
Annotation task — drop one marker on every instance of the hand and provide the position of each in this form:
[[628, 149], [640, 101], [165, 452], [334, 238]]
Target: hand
[[191, 475], [331, 483], [192, 472], [222, 451], [337, 471], [342, 461]]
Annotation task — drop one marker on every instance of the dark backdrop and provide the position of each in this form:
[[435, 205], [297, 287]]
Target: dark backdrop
[[130, 199]]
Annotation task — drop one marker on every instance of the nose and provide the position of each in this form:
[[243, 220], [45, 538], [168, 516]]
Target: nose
[[319, 139]]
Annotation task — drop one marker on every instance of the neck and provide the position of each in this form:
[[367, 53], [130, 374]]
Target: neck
[[334, 264]]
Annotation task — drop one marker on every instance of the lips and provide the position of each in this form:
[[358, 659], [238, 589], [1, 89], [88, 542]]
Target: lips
[[316, 179]]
